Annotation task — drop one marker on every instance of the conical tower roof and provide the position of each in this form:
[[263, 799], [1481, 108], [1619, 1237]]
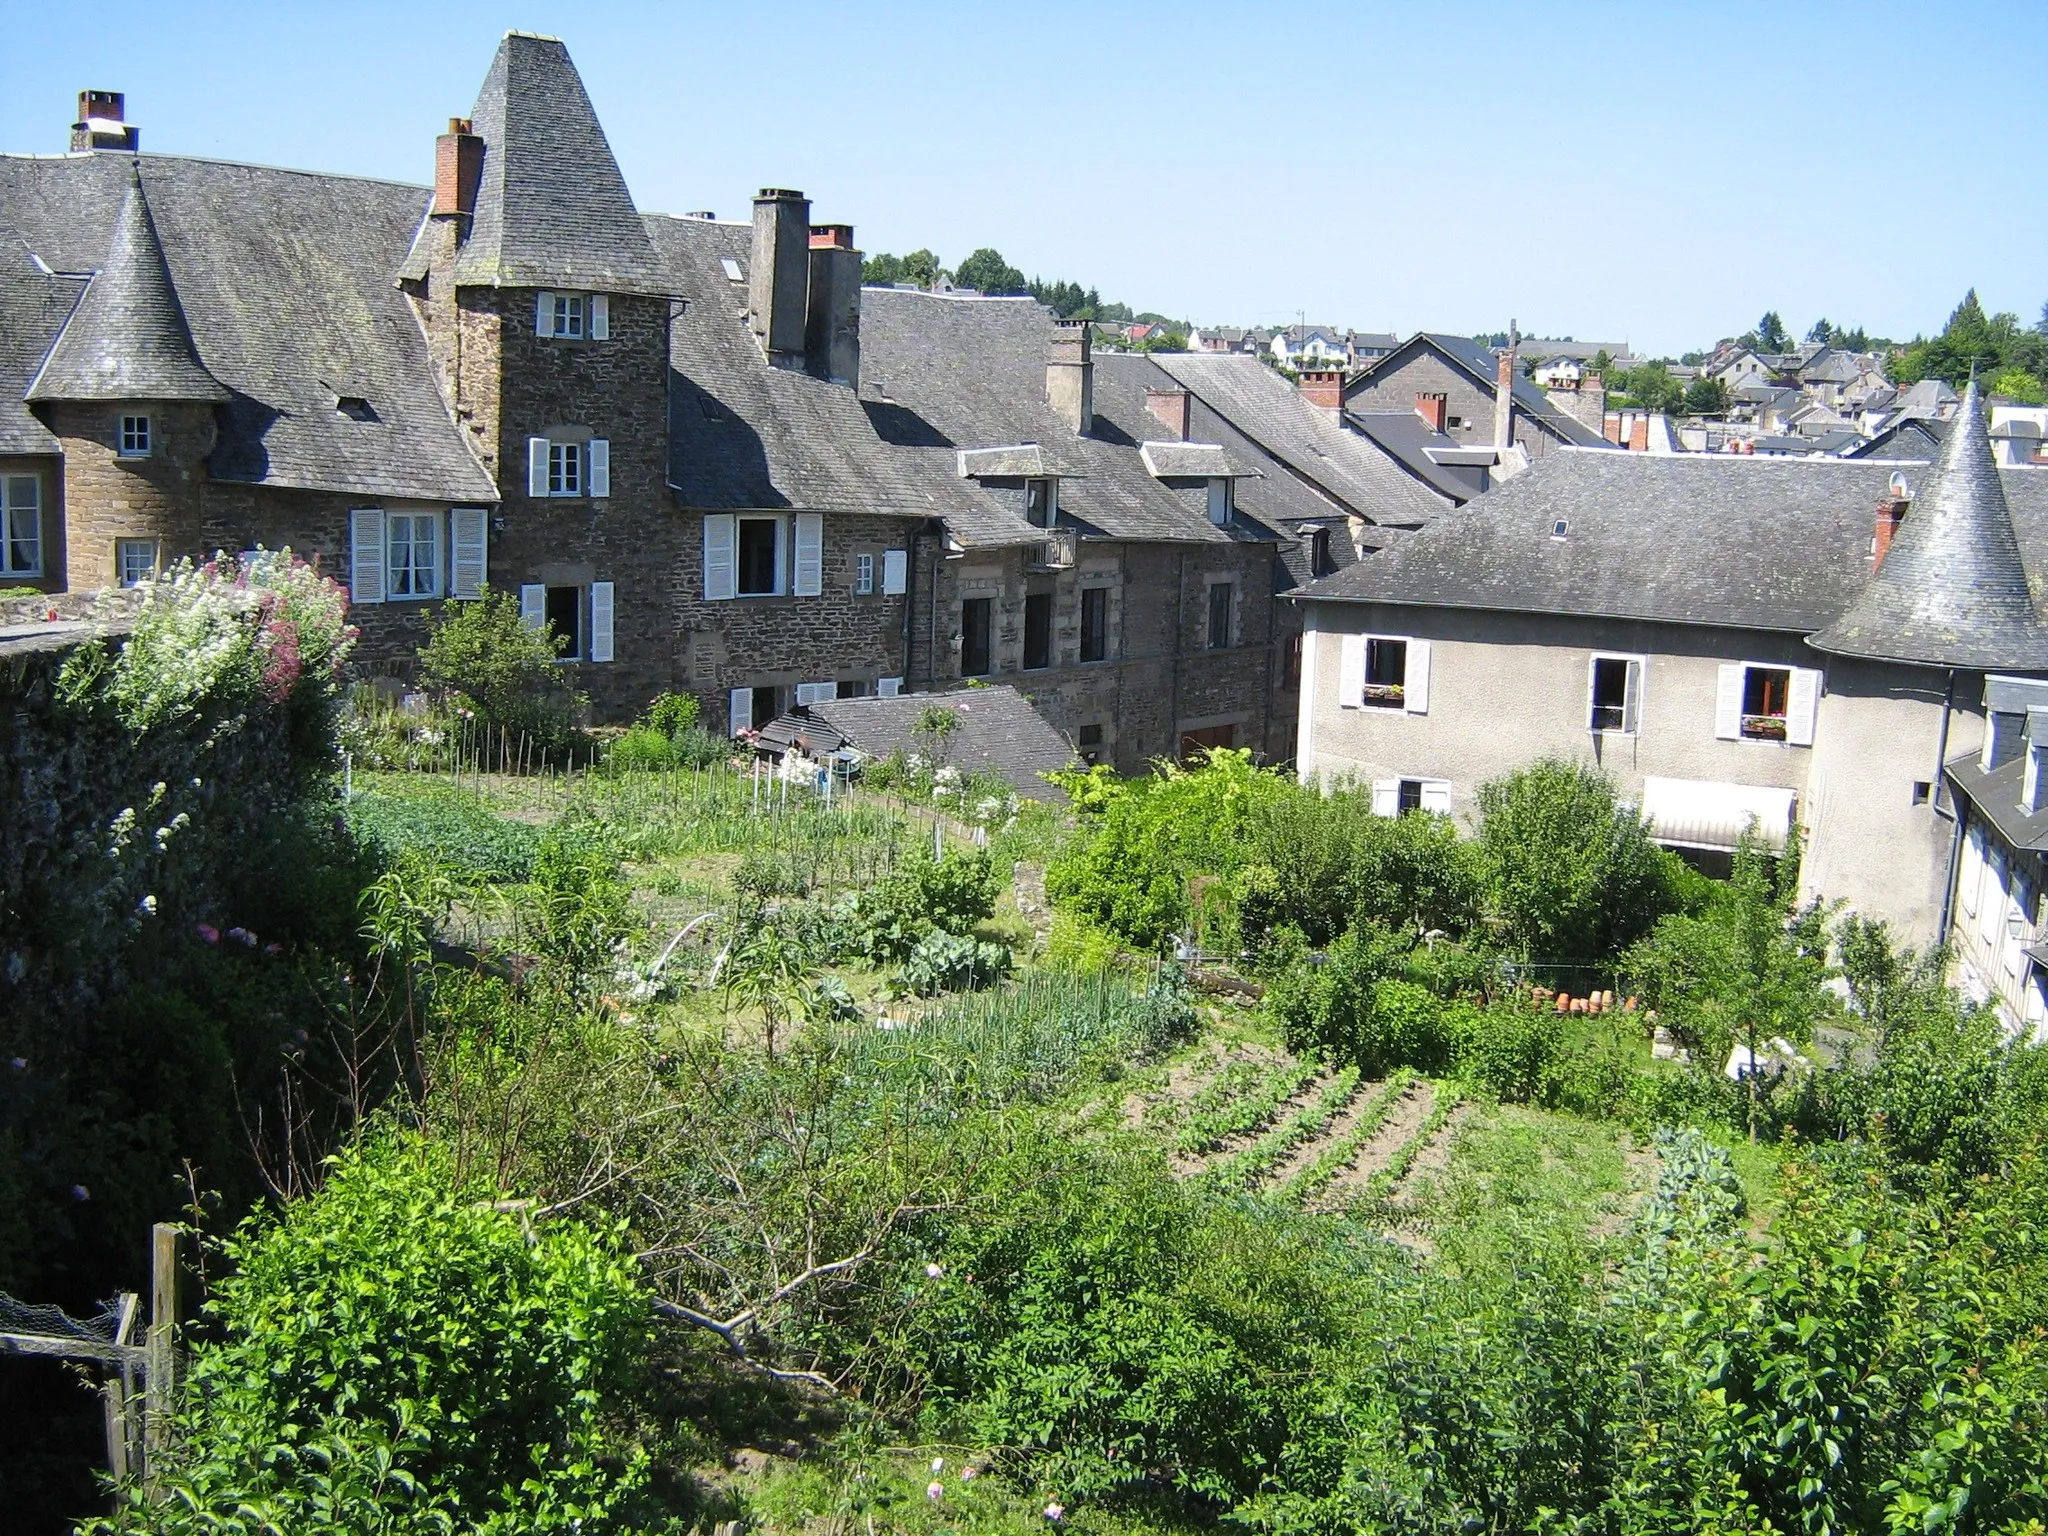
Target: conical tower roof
[[127, 340], [1952, 591], [552, 210]]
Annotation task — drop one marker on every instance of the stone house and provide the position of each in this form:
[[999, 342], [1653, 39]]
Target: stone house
[[1731, 638], [1470, 379]]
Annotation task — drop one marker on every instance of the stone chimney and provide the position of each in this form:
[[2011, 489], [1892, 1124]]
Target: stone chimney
[[102, 123], [1891, 511], [1172, 409], [832, 324], [458, 167], [1504, 392], [1070, 375], [1435, 409], [778, 277], [1323, 387]]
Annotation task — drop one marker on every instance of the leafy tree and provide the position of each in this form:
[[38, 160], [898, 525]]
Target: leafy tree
[[1821, 332], [398, 1353], [1070, 301], [485, 653], [1602, 362], [1707, 397], [2018, 384], [1771, 335], [921, 267], [1970, 339], [882, 270], [985, 269], [1651, 386], [1570, 872]]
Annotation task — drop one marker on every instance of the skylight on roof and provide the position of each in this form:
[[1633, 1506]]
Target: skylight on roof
[[1560, 528], [732, 269]]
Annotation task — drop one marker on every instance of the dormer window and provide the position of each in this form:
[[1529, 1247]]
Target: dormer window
[[1041, 502], [135, 437], [1321, 561], [1221, 501], [573, 316], [354, 407]]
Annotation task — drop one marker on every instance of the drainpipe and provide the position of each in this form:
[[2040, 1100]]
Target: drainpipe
[[1948, 700], [1948, 886], [909, 611], [1180, 594]]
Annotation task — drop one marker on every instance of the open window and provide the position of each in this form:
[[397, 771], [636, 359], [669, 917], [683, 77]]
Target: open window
[[1399, 797], [1615, 684], [758, 558], [1385, 672], [1041, 502], [1222, 611], [1759, 702], [1094, 623], [1037, 631], [977, 657]]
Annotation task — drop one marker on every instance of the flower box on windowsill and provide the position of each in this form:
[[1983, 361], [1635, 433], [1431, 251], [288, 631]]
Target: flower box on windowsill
[[1385, 695], [1763, 727]]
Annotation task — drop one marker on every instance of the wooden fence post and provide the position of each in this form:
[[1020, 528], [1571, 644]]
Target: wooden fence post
[[163, 1342]]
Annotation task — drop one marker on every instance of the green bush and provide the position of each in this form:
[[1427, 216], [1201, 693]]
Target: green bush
[[483, 652], [952, 892], [1323, 1004], [398, 1354], [1570, 872], [671, 714], [579, 909]]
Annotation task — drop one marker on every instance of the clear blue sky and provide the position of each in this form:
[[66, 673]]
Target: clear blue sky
[[1645, 170]]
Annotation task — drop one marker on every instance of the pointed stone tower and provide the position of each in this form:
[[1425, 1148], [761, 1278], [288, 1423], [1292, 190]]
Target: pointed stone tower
[[1951, 590], [126, 393]]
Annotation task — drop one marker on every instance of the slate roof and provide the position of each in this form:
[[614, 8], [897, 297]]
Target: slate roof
[[552, 210], [945, 374], [34, 305], [1710, 539], [1997, 795], [1481, 363], [744, 435], [1270, 413], [1953, 590], [1914, 437], [285, 283], [1422, 452], [127, 339], [1172, 459], [999, 730]]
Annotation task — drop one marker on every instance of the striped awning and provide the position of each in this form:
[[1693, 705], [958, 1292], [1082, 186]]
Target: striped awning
[[1710, 813]]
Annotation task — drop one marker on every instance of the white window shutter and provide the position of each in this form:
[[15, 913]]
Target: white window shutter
[[808, 577], [1386, 797], [600, 317], [1802, 703], [1436, 797], [895, 571], [600, 467], [888, 687], [1632, 699], [536, 466], [533, 607], [1728, 701], [816, 693], [739, 710], [366, 555], [1351, 674], [600, 621], [1415, 686], [544, 314], [1972, 873], [721, 533], [469, 552]]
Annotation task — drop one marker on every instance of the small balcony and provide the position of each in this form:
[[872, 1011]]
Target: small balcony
[[1056, 552]]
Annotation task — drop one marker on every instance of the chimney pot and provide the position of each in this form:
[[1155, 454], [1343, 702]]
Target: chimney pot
[[1070, 375], [1173, 409], [458, 168], [1891, 511], [1435, 409], [1322, 387], [831, 237], [103, 123], [778, 279]]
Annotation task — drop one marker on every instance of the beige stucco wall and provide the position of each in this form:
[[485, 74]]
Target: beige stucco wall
[[1506, 689], [1878, 737]]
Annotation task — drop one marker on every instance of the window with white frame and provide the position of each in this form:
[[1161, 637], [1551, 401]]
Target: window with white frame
[[567, 463], [1400, 797], [135, 439], [1221, 499], [1041, 502], [1615, 695], [1759, 701], [864, 574], [577, 618], [1384, 672], [21, 525], [770, 555], [412, 560], [572, 316], [134, 561]]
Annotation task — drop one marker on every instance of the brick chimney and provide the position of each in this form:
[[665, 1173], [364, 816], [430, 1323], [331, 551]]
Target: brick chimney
[[832, 320], [1891, 511], [1323, 387], [458, 167], [1070, 375], [102, 123], [1434, 409], [1504, 392], [1173, 409], [778, 278]]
